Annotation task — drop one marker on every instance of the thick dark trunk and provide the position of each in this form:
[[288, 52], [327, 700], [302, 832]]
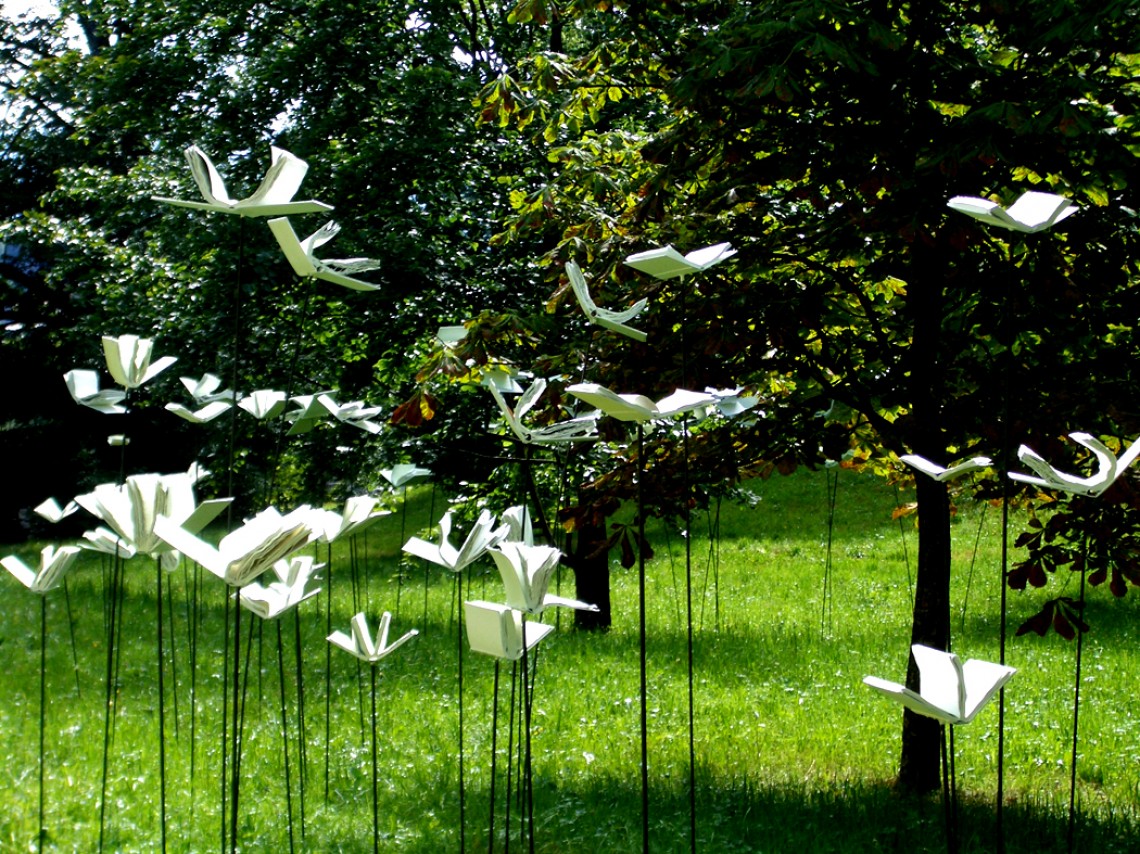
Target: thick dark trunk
[[592, 577], [930, 626]]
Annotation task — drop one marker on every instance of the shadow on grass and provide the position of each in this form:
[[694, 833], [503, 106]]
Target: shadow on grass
[[603, 815]]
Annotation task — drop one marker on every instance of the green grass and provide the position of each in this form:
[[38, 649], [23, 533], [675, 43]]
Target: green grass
[[793, 753]]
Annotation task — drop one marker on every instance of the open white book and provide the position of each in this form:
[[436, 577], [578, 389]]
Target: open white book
[[1109, 468], [405, 474], [949, 690], [497, 630], [311, 410], [131, 508], [53, 564], [526, 571], [203, 414], [361, 643], [615, 321], [286, 592], [51, 510], [357, 517], [273, 197], [247, 552], [306, 265], [583, 428], [665, 262], [83, 386], [129, 360], [937, 472], [206, 389], [483, 535], [1032, 212], [264, 403], [638, 407]]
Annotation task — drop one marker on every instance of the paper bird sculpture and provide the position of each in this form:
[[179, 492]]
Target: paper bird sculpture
[[482, 537], [129, 360], [949, 690], [941, 474], [526, 571], [584, 428], [51, 510], [131, 510], [83, 386], [264, 403], [274, 196], [247, 552], [405, 474], [287, 592], [615, 321], [637, 407], [206, 389], [357, 516], [361, 643], [1109, 468], [53, 564], [1032, 212], [498, 630], [665, 262], [299, 253]]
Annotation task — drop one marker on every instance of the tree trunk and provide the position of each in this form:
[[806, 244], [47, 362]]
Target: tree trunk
[[592, 577], [930, 626]]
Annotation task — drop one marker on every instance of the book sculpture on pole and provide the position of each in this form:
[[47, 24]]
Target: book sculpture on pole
[[1032, 212], [263, 404], [499, 631], [483, 536], [940, 474], [615, 321], [362, 644], [273, 197], [665, 262], [949, 691], [54, 563], [583, 428], [210, 401], [1109, 468], [83, 386], [638, 407], [129, 360], [289, 590], [134, 509], [246, 552], [338, 271]]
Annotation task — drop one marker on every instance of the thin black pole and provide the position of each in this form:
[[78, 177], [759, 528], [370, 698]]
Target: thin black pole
[[641, 632], [494, 758], [235, 762], [510, 756], [285, 734], [328, 663], [108, 712], [161, 704], [43, 712], [375, 771], [1076, 711], [302, 748], [459, 649], [71, 630], [528, 768]]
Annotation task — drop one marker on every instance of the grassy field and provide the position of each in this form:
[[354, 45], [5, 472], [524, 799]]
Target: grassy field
[[792, 751]]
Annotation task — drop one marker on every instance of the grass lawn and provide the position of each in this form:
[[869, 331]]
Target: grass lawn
[[793, 753]]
